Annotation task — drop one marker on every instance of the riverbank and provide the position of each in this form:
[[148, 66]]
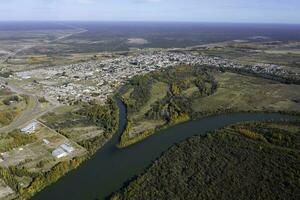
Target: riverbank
[[111, 167], [235, 162], [167, 97]]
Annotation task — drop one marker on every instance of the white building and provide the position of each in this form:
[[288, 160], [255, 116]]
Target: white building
[[30, 128], [59, 153], [63, 150], [67, 148], [46, 141]]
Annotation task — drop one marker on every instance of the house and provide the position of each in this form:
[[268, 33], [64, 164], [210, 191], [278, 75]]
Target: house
[[67, 148], [59, 153], [63, 150], [30, 128]]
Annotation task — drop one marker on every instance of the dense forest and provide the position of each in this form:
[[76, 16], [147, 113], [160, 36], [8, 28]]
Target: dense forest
[[257, 160]]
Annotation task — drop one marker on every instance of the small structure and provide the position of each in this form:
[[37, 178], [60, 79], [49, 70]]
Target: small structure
[[59, 153], [63, 150], [46, 141], [67, 148], [30, 128]]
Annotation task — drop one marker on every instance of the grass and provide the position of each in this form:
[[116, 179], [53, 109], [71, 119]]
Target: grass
[[157, 92], [141, 128], [246, 93]]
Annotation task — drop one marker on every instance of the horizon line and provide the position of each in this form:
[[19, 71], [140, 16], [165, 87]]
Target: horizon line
[[148, 21]]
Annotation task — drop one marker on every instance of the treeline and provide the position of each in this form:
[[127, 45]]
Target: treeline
[[287, 79], [172, 110], [269, 132], [141, 92], [7, 101], [178, 78], [227, 164], [15, 139], [105, 116], [39, 180], [5, 74], [175, 107]]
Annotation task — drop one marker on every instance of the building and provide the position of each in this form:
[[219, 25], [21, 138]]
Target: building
[[46, 141], [30, 128], [67, 148], [59, 153], [62, 151]]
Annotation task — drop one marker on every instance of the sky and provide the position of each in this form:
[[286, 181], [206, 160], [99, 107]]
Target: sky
[[250, 11]]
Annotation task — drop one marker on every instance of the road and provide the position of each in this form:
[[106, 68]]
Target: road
[[32, 112], [14, 53]]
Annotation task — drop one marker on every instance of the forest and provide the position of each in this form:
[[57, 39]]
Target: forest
[[253, 160]]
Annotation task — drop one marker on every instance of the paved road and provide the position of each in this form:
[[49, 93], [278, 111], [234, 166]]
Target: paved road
[[32, 112]]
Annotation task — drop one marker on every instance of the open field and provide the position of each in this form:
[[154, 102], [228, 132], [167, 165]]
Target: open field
[[245, 93], [255, 160]]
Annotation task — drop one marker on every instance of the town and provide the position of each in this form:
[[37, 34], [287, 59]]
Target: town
[[97, 80]]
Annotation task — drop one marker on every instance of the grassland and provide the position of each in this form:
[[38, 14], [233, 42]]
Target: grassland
[[254, 160], [245, 93]]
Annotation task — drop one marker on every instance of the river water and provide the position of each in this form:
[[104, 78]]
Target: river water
[[111, 167]]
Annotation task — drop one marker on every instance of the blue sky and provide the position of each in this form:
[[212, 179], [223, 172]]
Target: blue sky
[[264, 11]]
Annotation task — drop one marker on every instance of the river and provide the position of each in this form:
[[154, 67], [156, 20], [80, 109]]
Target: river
[[111, 167]]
